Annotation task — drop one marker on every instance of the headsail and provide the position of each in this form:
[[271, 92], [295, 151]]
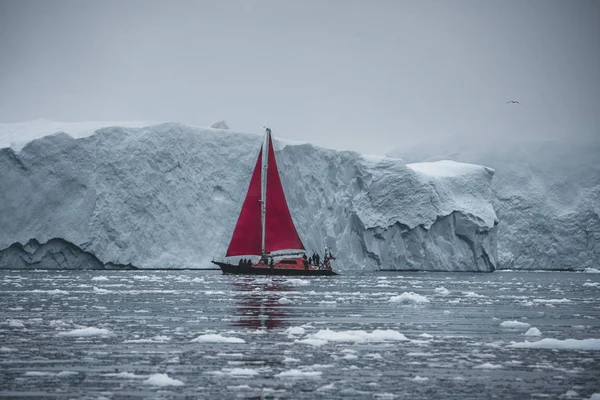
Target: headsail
[[280, 232], [246, 239]]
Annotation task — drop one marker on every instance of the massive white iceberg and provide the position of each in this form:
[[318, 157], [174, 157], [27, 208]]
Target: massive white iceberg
[[546, 194], [168, 195]]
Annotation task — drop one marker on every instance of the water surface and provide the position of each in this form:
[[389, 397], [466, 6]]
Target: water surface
[[323, 337]]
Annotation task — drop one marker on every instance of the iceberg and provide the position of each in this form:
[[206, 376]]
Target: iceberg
[[546, 193], [168, 195]]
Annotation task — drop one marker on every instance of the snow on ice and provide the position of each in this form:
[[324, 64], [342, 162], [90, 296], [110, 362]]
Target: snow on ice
[[184, 186]]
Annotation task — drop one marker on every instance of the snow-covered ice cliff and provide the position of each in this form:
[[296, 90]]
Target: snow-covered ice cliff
[[168, 195], [546, 194]]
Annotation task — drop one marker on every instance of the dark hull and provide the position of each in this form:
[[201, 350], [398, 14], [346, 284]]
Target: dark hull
[[236, 269]]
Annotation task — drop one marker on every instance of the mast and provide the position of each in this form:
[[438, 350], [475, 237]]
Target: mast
[[263, 191]]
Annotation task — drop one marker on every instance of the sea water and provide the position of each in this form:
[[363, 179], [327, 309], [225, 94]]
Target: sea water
[[200, 334]]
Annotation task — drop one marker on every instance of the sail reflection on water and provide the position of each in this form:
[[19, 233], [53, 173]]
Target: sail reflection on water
[[258, 303]]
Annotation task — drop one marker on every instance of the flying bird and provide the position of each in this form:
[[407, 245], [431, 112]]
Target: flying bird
[[513, 102]]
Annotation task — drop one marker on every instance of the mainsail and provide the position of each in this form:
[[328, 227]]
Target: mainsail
[[279, 230]]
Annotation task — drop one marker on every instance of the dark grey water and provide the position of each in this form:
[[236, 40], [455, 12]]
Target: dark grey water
[[334, 337]]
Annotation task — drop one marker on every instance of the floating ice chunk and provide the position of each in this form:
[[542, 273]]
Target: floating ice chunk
[[488, 366], [473, 294], [54, 291], [358, 336], [15, 323], [567, 344], [331, 386], [592, 284], [295, 330], [162, 380], [426, 336], [591, 270], [125, 375], [198, 280], [284, 300], [420, 379], [239, 387], [533, 331], [296, 373], [87, 331], [595, 396], [102, 291], [240, 372], [289, 360], [155, 339], [312, 342], [38, 373], [214, 338], [514, 324], [409, 297], [99, 278], [551, 301], [296, 282], [5, 349], [442, 291], [67, 373]]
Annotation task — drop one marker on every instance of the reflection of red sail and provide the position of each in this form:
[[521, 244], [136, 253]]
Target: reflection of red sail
[[280, 232], [246, 238]]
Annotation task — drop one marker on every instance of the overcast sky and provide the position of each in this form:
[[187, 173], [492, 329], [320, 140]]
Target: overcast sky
[[360, 75]]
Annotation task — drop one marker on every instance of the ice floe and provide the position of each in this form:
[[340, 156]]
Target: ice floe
[[514, 324], [442, 291], [567, 344], [214, 338], [533, 331], [409, 297], [296, 373], [87, 331], [358, 336], [162, 380]]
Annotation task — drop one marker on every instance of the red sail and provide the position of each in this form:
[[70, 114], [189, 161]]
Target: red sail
[[246, 238], [280, 232]]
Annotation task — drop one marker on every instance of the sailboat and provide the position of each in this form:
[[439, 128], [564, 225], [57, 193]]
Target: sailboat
[[265, 228]]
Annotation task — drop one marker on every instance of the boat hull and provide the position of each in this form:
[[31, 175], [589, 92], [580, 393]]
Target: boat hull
[[252, 270]]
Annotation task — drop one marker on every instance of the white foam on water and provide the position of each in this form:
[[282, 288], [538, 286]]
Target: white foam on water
[[312, 342], [420, 379], [284, 300], [100, 278]]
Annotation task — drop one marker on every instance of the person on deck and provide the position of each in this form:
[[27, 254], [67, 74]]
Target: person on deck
[[271, 263]]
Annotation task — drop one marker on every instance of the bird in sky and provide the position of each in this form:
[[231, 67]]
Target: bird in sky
[[512, 102]]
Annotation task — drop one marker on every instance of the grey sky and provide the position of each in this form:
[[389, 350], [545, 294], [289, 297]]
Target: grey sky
[[360, 75]]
